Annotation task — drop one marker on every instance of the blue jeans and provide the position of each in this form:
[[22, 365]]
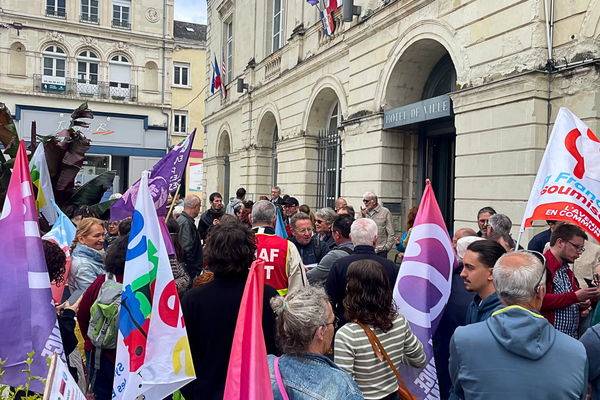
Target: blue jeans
[[103, 386]]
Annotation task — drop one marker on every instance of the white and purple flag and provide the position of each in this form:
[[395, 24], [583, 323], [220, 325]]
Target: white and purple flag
[[28, 316], [423, 288]]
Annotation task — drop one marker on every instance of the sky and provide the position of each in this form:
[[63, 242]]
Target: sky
[[190, 11]]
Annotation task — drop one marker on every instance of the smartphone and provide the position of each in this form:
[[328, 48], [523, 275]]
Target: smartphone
[[589, 282], [75, 296]]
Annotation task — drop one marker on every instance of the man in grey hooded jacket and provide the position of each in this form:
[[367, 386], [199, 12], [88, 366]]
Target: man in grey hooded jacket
[[235, 203], [516, 353]]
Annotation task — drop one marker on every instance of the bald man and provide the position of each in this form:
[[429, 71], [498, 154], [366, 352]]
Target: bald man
[[190, 237], [461, 233]]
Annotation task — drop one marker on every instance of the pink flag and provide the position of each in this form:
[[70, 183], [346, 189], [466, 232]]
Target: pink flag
[[423, 288], [248, 373]]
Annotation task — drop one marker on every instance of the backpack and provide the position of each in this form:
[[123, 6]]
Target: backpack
[[316, 242], [103, 330]]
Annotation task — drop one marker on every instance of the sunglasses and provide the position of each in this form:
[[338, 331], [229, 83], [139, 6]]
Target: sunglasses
[[319, 221], [366, 201]]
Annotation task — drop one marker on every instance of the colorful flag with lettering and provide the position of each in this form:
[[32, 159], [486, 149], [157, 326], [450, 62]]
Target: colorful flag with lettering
[[40, 178], [567, 185], [153, 352], [165, 178], [62, 233], [423, 288], [248, 372], [28, 315]]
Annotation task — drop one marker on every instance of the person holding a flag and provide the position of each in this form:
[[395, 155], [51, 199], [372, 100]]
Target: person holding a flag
[[369, 303]]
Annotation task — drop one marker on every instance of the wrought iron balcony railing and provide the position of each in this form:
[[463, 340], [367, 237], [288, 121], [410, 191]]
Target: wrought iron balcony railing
[[56, 13], [85, 89], [89, 19], [118, 23]]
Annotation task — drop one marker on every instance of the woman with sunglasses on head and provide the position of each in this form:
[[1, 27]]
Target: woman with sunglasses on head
[[323, 221], [304, 329], [369, 303], [87, 254]]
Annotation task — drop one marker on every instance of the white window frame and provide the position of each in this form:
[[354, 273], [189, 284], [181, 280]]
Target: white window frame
[[89, 61], [90, 15], [178, 129], [229, 51], [182, 65], [56, 9], [277, 31], [121, 4], [54, 55]]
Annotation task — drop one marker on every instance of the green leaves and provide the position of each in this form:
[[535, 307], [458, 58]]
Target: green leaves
[[8, 132], [92, 192]]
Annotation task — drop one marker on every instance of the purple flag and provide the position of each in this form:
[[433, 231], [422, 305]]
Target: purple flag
[[423, 287], [165, 178], [28, 315]]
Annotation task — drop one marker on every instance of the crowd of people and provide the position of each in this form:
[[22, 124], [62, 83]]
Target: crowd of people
[[518, 324]]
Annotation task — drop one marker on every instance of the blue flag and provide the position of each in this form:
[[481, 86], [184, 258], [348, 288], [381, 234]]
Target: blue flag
[[279, 226]]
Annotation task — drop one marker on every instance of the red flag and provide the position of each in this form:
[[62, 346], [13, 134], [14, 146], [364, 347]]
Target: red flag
[[248, 373]]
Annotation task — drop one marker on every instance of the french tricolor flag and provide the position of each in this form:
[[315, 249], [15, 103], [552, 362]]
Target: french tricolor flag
[[335, 4], [327, 21], [216, 81]]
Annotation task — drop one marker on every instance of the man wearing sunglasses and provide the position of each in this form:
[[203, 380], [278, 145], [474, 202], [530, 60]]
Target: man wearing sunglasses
[[383, 218], [516, 353], [565, 302]]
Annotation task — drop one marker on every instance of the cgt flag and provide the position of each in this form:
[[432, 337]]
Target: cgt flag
[[248, 372], [153, 353], [567, 185], [28, 315], [62, 233], [423, 287]]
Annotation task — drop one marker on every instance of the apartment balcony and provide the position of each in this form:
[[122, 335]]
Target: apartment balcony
[[89, 19], [85, 90], [117, 23], [56, 13]]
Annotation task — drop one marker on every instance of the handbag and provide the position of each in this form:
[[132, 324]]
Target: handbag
[[405, 394]]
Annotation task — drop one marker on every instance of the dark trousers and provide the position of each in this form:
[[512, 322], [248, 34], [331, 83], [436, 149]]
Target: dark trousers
[[103, 385], [392, 396]]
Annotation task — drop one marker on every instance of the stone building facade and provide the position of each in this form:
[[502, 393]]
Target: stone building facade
[[478, 70], [187, 86], [114, 54]]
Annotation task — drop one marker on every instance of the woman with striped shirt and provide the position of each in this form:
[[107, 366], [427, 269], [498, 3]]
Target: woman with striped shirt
[[369, 300]]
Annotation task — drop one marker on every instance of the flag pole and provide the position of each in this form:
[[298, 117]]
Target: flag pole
[[172, 204], [518, 240]]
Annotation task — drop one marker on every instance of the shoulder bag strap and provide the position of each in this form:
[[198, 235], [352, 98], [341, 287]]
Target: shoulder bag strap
[[377, 344], [279, 380]]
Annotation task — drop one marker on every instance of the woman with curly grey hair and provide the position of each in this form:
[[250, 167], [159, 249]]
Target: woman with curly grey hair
[[304, 330], [323, 221]]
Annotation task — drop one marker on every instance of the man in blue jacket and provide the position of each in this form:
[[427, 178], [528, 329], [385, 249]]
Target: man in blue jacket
[[478, 264], [516, 353]]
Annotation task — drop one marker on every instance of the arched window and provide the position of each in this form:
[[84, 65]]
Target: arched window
[[18, 64], [120, 77], [87, 67], [335, 119], [151, 76], [54, 62]]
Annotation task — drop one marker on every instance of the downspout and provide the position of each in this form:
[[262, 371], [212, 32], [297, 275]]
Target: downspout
[[162, 94]]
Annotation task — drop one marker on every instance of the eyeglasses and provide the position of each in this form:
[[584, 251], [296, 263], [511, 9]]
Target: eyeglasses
[[319, 221], [542, 259], [366, 201], [303, 231], [577, 248], [116, 223], [335, 322], [289, 206]]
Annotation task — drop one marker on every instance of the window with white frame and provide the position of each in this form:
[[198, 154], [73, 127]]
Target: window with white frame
[[56, 8], [89, 11], [87, 67], [121, 11], [180, 122], [181, 74], [119, 75], [54, 62], [229, 66], [277, 27]]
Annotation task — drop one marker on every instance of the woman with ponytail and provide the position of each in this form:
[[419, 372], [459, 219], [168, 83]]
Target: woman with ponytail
[[87, 254]]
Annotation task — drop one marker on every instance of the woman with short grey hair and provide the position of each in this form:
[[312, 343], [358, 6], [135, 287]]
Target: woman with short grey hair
[[304, 330], [323, 221]]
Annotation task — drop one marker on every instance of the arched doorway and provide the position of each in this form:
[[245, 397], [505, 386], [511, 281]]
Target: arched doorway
[[417, 104], [223, 168], [267, 138], [324, 121]]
